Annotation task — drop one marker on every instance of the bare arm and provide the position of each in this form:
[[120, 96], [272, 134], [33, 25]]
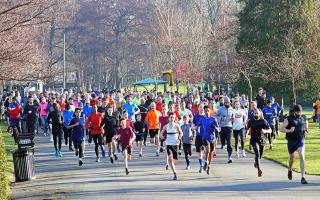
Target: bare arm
[[284, 129]]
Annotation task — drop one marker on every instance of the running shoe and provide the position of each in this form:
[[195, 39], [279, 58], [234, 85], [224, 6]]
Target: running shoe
[[303, 181], [140, 155], [70, 149], [180, 153], [98, 159], [244, 153], [205, 166], [59, 153], [115, 157], [144, 143], [111, 160], [127, 171], [259, 173], [103, 152], [237, 154], [77, 152], [201, 169], [167, 167], [161, 149], [270, 148], [188, 167], [289, 174], [80, 162], [56, 153], [157, 154], [208, 170], [229, 160], [175, 177], [66, 142]]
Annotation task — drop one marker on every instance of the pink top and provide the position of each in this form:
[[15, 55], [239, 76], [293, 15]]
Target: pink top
[[43, 107]]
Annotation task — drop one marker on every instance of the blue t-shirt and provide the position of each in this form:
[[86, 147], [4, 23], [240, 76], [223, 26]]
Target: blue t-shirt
[[78, 131], [196, 120], [210, 126], [277, 107], [131, 108], [269, 114], [87, 110], [67, 116]]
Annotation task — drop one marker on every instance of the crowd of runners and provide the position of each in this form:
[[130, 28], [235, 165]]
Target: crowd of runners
[[117, 122]]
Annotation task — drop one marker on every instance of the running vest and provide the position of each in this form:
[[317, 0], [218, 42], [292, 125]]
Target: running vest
[[298, 123], [172, 134]]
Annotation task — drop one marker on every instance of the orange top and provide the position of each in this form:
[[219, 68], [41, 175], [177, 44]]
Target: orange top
[[318, 107], [152, 118]]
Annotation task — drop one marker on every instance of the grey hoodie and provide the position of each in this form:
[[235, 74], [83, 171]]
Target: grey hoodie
[[224, 116]]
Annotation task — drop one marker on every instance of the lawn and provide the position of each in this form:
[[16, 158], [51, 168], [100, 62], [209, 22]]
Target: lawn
[[279, 153], [9, 146]]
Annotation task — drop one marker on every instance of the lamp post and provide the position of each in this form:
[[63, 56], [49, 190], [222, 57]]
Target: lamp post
[[64, 61]]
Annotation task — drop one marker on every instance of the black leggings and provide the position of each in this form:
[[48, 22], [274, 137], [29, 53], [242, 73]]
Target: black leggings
[[242, 134], [187, 152], [226, 134], [271, 135], [31, 125], [97, 139], [258, 151], [67, 136], [79, 147], [57, 138]]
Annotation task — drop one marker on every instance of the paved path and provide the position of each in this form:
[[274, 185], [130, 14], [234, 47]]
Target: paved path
[[62, 178]]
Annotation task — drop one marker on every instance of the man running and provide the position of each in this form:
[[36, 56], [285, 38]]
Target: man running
[[259, 128], [55, 118], [110, 125], [269, 113], [140, 128], [225, 117], [130, 108], [199, 131], [187, 139], [295, 127], [94, 122], [126, 137], [210, 127], [152, 120], [77, 126], [173, 136]]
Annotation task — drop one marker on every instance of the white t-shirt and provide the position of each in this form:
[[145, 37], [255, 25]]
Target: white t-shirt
[[238, 121], [172, 134]]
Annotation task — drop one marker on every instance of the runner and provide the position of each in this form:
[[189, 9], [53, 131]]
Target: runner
[[43, 111], [278, 109], [126, 137], [259, 127], [296, 127], [110, 125], [55, 118], [210, 127], [67, 116], [187, 139], [130, 108], [238, 126], [164, 120], [140, 128], [199, 131], [31, 115], [143, 111], [94, 122], [152, 120], [77, 134], [173, 136], [225, 117], [270, 114]]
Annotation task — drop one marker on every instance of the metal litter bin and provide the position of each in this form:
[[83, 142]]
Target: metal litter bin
[[23, 161]]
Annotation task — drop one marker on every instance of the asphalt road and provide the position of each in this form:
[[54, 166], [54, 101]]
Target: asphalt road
[[62, 178]]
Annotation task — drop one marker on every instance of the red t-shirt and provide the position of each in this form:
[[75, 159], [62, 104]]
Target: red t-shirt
[[95, 120], [126, 134], [129, 123], [159, 107], [94, 102]]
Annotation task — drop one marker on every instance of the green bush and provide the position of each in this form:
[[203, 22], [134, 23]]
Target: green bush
[[4, 181]]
